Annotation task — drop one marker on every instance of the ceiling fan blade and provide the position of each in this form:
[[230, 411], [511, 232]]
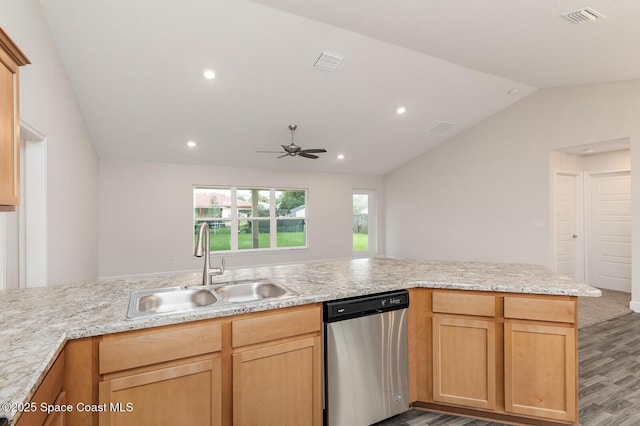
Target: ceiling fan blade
[[305, 155], [271, 152], [286, 154], [313, 151]]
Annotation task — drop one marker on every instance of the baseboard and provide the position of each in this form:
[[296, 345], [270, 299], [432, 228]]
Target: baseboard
[[634, 306]]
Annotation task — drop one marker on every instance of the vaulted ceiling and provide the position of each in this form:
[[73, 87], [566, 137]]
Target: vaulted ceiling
[[137, 69]]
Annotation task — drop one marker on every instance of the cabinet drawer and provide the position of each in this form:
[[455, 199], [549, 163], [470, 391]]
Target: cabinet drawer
[[464, 304], [543, 309], [263, 328], [139, 348]]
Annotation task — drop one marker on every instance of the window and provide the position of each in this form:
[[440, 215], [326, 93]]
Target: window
[[251, 218], [364, 242]]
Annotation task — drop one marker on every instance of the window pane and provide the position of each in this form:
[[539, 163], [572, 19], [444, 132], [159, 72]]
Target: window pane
[[290, 203], [253, 234], [292, 232], [253, 202], [219, 234], [360, 222], [211, 203]]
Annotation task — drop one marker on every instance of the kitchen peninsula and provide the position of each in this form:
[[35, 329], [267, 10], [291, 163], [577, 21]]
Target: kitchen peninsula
[[506, 310]]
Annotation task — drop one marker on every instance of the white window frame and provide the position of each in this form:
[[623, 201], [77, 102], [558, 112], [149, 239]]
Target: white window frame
[[372, 223], [273, 218]]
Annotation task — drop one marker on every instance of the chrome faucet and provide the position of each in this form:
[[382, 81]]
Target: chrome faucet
[[203, 249]]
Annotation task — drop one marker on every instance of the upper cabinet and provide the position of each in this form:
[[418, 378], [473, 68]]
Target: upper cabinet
[[11, 58]]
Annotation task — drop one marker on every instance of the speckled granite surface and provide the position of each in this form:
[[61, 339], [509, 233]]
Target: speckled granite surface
[[35, 323]]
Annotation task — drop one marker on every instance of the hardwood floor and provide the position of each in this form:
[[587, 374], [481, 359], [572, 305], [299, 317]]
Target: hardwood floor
[[609, 383]]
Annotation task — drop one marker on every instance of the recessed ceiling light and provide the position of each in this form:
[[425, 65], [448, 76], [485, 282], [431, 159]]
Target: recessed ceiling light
[[340, 156], [209, 74], [587, 151], [191, 144], [514, 92], [401, 110]]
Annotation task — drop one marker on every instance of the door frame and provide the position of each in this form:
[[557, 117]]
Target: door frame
[[33, 212]]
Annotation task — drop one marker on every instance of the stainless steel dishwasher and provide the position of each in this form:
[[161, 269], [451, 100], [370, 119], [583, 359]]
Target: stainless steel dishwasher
[[366, 373]]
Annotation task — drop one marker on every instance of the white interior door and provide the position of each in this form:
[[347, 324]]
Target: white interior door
[[568, 251], [610, 231]]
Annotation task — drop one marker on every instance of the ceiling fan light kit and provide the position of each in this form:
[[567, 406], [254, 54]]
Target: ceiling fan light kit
[[293, 150]]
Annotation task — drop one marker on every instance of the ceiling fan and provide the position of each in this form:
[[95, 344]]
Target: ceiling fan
[[293, 150]]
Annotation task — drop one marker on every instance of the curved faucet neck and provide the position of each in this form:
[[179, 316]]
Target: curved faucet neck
[[203, 249]]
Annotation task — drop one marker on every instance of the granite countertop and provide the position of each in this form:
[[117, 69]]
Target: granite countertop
[[37, 322]]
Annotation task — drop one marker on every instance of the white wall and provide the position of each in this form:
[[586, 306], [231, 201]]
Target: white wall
[[146, 212], [484, 195], [49, 105]]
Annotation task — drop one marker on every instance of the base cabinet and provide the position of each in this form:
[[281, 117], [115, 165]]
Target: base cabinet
[[277, 369], [162, 377], [50, 393], [57, 418], [188, 393], [540, 371], [275, 384], [510, 358], [254, 369], [464, 360]]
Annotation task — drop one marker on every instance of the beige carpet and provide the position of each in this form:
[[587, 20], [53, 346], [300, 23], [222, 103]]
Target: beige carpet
[[612, 304]]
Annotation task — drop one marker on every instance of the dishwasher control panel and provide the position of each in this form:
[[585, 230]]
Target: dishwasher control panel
[[365, 305]]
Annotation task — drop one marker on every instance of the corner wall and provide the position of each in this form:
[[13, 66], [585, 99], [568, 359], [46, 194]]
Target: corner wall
[[48, 104], [484, 195]]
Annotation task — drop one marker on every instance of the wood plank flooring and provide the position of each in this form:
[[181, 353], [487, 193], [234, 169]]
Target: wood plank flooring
[[609, 382]]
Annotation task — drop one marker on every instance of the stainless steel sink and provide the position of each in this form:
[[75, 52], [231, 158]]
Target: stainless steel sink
[[251, 290], [143, 303], [170, 299]]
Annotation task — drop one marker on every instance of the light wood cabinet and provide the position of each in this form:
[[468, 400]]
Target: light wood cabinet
[[541, 359], [50, 393], [187, 393], [166, 376], [464, 349], [510, 358], [464, 362], [11, 58], [278, 384], [58, 418], [253, 369], [277, 369]]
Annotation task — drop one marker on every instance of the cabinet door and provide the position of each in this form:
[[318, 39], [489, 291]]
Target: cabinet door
[[278, 384], [540, 371], [464, 362], [10, 59], [186, 394], [57, 418]]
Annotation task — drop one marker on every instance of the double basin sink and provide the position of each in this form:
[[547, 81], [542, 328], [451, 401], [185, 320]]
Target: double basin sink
[[144, 303]]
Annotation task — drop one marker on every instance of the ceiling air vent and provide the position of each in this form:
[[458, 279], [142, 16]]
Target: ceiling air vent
[[583, 15], [328, 62], [442, 127]]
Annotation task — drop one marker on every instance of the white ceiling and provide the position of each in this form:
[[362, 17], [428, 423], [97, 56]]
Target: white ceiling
[[524, 40], [136, 67]]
